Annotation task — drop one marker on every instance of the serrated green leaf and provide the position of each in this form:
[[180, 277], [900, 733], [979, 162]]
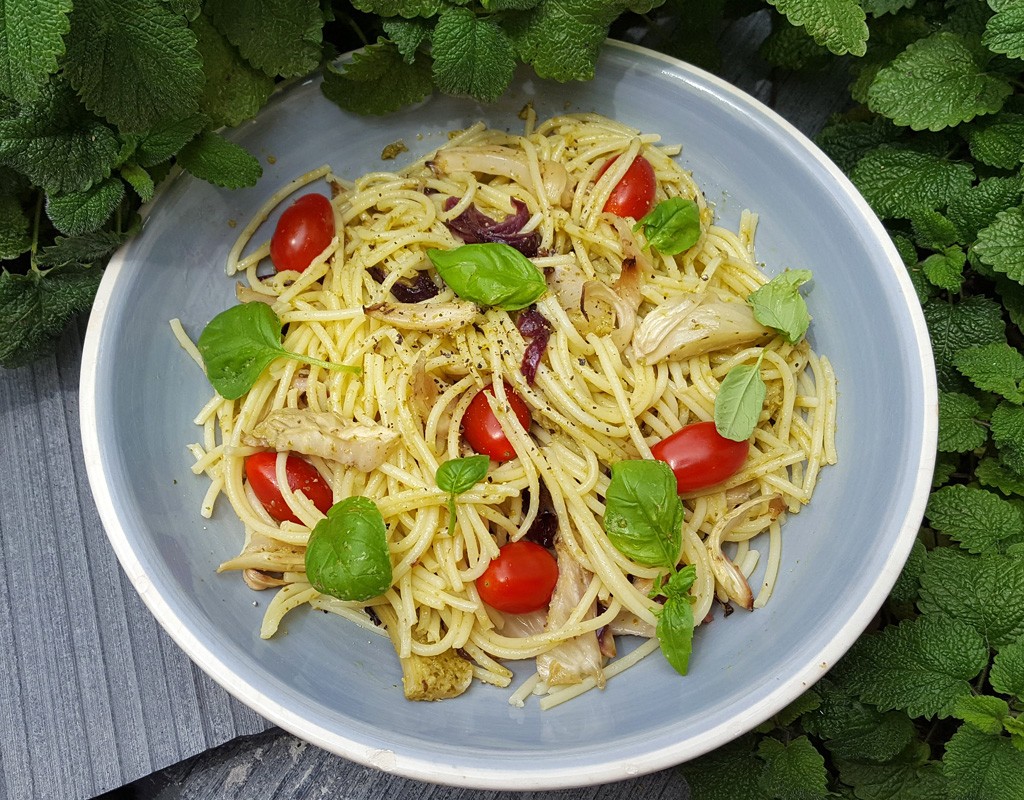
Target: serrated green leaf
[[213, 158], [847, 142], [159, 144], [878, 8], [561, 38], [902, 183], [731, 772], [57, 143], [378, 80], [990, 472], [908, 584], [1004, 32], [83, 250], [795, 770], [509, 5], [983, 767], [959, 428], [279, 37], [14, 225], [984, 712], [935, 83], [974, 321], [75, 213], [401, 8], [839, 25], [35, 308], [408, 35], [851, 729], [946, 269], [1007, 674], [1007, 426], [234, 91], [133, 62], [919, 666], [901, 780], [976, 208], [933, 231], [472, 55], [945, 468], [139, 180], [790, 47], [998, 141], [806, 703], [31, 41], [995, 367], [985, 591], [1001, 244]]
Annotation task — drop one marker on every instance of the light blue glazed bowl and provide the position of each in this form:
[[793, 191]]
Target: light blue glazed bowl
[[339, 687]]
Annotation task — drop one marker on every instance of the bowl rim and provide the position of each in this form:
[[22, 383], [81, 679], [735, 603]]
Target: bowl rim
[[429, 768]]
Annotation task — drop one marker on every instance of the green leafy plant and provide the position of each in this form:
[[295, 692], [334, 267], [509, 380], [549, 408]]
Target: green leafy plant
[[458, 475]]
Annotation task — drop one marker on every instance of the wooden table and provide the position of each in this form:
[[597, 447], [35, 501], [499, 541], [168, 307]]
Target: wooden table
[[93, 695]]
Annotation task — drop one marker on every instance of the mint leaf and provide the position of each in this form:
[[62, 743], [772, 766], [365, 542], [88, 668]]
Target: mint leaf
[[133, 62], [378, 80], [998, 141], [408, 35], [166, 139], [945, 468], [139, 180], [1007, 425], [1007, 674], [561, 38], [946, 269], [919, 666], [839, 25], [280, 37], [983, 767], [976, 518], [991, 472], [82, 212], [234, 90], [995, 367], [401, 8], [851, 729], [976, 208], [472, 55], [1004, 32], [791, 48], [935, 83], [974, 321], [31, 41], [985, 591], [982, 711], [959, 428], [795, 770], [213, 158], [1001, 244], [904, 779], [83, 250], [902, 183], [57, 144], [14, 236], [731, 772], [879, 7], [35, 308], [933, 231], [907, 585], [847, 142]]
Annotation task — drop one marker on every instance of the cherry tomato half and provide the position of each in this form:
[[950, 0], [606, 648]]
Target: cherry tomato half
[[481, 427], [700, 456], [633, 196], [305, 228], [521, 579], [261, 472]]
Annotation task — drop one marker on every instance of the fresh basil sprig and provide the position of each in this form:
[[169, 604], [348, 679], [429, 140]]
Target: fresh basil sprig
[[239, 343], [780, 306], [347, 554], [459, 475], [739, 401], [643, 514], [672, 226], [492, 274], [675, 620]]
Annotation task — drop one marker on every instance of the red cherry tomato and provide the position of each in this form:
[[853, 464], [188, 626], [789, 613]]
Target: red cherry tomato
[[481, 427], [305, 228], [633, 196], [521, 579], [700, 456], [261, 472]]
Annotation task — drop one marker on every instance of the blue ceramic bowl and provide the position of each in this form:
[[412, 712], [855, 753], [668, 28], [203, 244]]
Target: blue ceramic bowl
[[338, 687]]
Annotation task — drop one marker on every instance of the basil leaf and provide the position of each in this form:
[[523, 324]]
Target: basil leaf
[[492, 274], [672, 226], [780, 306], [347, 555], [675, 620], [459, 475], [239, 343], [739, 402], [643, 514]]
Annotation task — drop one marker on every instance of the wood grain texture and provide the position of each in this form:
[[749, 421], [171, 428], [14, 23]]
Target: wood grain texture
[[93, 695]]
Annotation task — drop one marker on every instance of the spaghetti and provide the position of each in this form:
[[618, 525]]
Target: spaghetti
[[600, 394]]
